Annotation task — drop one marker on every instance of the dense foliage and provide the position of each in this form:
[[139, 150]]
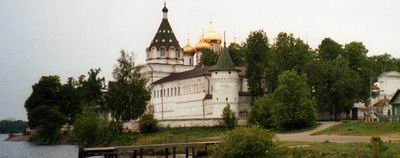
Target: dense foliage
[[127, 95], [8, 126], [253, 142], [229, 117], [90, 129], [256, 51], [290, 107], [147, 124], [208, 58]]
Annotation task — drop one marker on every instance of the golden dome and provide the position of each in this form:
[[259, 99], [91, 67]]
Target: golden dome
[[212, 36], [188, 49], [202, 45]]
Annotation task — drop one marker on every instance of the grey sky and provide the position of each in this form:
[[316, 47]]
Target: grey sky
[[68, 37]]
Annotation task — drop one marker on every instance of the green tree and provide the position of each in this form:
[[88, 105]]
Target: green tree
[[329, 49], [287, 53], [356, 54], [335, 86], [44, 93], [70, 100], [256, 52], [237, 54], [9, 126], [253, 142], [261, 112], [208, 58], [49, 122], [294, 107], [229, 117], [127, 95], [92, 88]]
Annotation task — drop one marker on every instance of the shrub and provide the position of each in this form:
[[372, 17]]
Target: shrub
[[290, 107], [260, 113], [253, 142], [229, 117], [148, 124], [90, 129], [377, 147]]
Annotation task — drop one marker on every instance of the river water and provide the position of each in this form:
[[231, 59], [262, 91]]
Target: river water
[[28, 150]]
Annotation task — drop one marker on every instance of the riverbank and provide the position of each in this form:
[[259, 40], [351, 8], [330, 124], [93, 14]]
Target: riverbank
[[18, 137]]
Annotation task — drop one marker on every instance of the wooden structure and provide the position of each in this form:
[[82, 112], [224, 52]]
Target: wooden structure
[[139, 150]]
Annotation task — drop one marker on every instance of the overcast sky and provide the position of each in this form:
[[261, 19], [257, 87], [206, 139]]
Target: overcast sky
[[68, 37]]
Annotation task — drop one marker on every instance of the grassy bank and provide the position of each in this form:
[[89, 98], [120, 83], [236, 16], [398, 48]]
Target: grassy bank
[[363, 128], [171, 135], [333, 150]]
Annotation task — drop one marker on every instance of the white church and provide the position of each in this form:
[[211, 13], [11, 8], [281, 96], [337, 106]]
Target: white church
[[186, 95]]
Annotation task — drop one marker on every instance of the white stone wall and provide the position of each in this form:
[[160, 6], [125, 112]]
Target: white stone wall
[[154, 72], [225, 91], [187, 60]]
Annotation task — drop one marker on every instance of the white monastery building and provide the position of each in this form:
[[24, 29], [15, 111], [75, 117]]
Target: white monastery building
[[187, 95]]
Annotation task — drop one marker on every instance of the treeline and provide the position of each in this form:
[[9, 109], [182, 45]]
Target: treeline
[[336, 75], [9, 126], [53, 104]]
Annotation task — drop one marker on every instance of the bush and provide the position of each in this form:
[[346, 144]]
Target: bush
[[229, 117], [253, 142], [90, 129], [49, 124], [377, 147], [261, 112], [148, 124]]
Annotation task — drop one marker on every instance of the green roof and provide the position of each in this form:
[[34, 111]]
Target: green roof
[[224, 62]]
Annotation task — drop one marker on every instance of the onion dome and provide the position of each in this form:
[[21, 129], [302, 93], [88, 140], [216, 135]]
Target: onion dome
[[188, 50], [202, 45], [211, 36]]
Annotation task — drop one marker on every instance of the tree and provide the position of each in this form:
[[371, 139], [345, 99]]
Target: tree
[[335, 85], [208, 58], [329, 49], [293, 105], [49, 122], [70, 100], [356, 54], [287, 53], [44, 93], [261, 112], [229, 117], [237, 54], [256, 52], [11, 126], [91, 89], [253, 142], [127, 95]]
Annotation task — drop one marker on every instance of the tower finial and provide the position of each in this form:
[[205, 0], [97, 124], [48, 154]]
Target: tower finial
[[224, 40], [188, 38], [165, 10]]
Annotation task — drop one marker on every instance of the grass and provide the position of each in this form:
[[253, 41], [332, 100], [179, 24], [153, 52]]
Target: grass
[[171, 135], [333, 150], [363, 128]]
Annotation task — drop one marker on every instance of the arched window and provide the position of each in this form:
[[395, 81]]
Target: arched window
[[162, 51]]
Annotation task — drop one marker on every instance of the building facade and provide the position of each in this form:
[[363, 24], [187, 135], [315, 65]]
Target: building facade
[[185, 95]]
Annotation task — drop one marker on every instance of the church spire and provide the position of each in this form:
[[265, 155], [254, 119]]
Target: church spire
[[165, 11]]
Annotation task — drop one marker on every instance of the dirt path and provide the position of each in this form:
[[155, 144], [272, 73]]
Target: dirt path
[[307, 137]]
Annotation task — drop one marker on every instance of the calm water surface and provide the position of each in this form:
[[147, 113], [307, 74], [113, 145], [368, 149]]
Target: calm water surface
[[28, 150]]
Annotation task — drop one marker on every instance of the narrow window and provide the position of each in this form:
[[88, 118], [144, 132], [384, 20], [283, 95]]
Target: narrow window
[[162, 51], [226, 98]]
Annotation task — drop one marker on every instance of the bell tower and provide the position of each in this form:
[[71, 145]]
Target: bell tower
[[164, 48]]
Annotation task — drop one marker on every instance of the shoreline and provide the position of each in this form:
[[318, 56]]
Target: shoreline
[[18, 137]]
